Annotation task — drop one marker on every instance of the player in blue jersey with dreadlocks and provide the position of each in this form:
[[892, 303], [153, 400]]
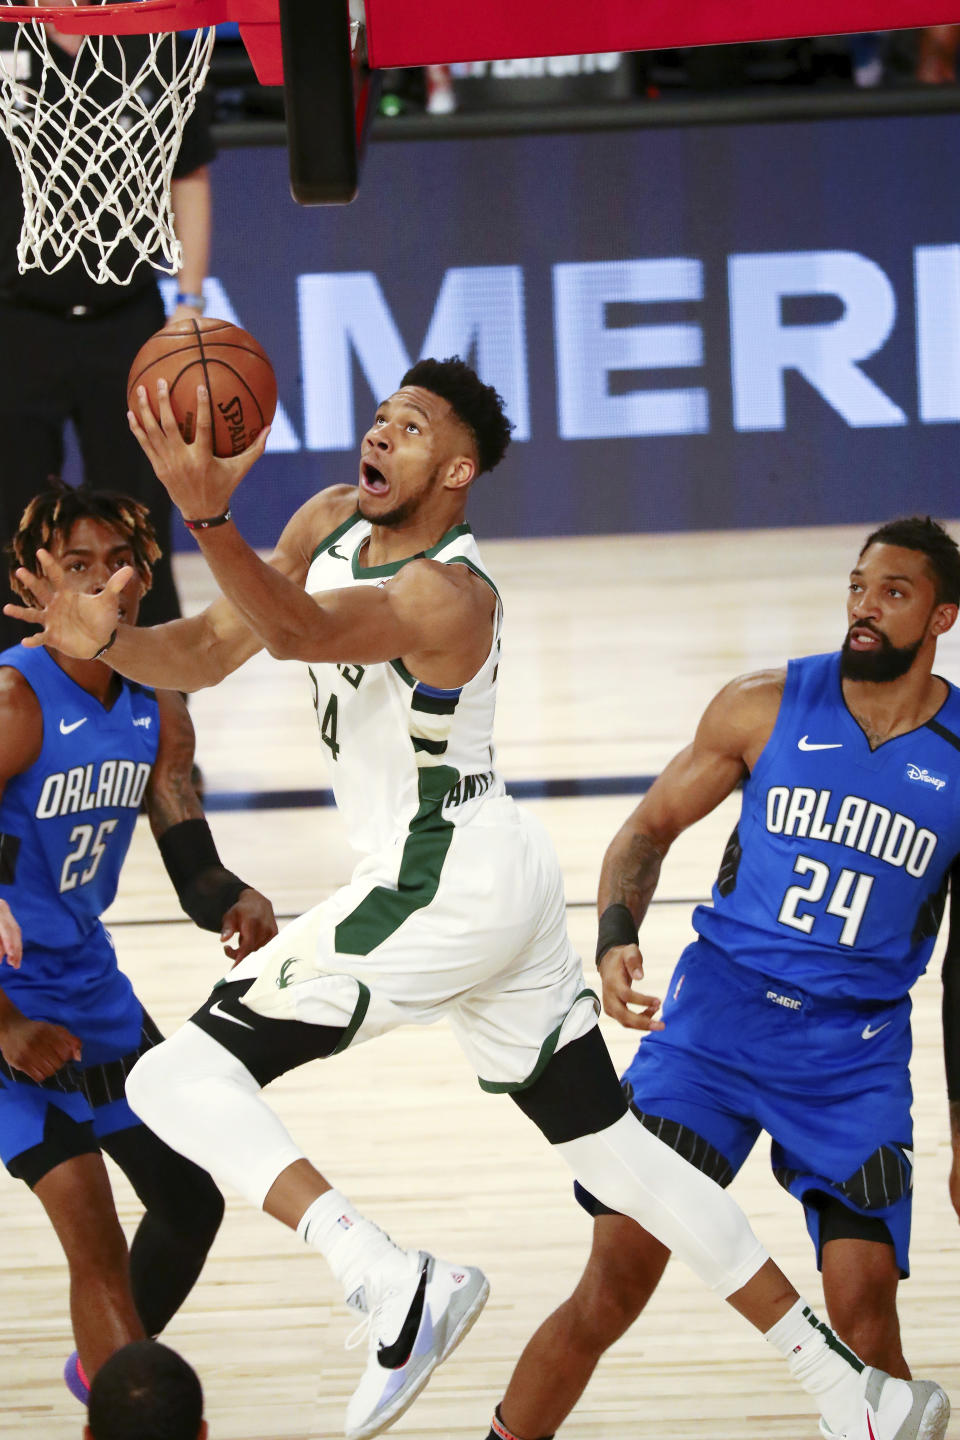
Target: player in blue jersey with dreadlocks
[[81, 749]]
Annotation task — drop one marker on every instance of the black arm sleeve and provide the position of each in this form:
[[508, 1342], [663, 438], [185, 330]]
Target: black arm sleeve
[[951, 990], [205, 889]]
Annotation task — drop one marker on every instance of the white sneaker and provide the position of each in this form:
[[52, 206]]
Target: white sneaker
[[901, 1409], [415, 1321]]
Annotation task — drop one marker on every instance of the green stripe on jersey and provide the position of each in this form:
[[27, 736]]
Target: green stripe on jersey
[[429, 747], [404, 673], [547, 1050], [356, 1019], [384, 910], [481, 574], [334, 535], [362, 571]]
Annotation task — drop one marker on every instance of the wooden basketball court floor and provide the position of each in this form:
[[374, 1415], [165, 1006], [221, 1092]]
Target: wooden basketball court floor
[[612, 648]]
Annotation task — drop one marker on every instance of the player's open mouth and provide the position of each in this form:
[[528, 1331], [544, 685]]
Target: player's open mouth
[[861, 639], [372, 480]]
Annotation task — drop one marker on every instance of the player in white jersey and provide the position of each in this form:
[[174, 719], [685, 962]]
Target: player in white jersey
[[455, 909]]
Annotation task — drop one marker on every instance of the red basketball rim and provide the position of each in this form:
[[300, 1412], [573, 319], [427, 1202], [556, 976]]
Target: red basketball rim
[[146, 17]]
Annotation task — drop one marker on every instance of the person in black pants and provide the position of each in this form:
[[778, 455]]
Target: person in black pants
[[68, 342]]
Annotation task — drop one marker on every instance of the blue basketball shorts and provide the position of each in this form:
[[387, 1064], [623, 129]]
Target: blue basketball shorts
[[828, 1082], [114, 1030]]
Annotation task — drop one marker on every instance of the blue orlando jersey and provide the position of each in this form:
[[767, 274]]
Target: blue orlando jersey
[[67, 821], [835, 878]]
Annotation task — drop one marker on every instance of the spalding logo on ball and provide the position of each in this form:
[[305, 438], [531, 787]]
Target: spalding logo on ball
[[234, 368]]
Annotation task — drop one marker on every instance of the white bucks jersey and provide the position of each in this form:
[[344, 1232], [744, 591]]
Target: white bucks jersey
[[403, 755]]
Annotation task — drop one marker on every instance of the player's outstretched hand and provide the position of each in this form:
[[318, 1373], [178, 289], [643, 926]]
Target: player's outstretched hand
[[252, 920], [198, 482], [36, 1048], [79, 625], [620, 968], [11, 941]]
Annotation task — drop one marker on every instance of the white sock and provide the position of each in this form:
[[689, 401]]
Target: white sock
[[824, 1366], [355, 1249]]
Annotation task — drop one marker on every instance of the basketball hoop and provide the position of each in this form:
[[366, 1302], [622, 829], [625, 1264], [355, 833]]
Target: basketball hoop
[[95, 123], [97, 133]]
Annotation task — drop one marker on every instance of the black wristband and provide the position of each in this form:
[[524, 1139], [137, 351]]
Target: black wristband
[[617, 927], [205, 889], [104, 648], [210, 524]]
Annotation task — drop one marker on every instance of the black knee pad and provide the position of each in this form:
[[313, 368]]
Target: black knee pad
[[577, 1094], [171, 1188]]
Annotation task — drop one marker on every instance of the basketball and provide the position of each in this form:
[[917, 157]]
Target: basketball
[[235, 369]]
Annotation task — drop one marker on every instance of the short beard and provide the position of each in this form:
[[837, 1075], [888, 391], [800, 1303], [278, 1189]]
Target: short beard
[[393, 517], [878, 667]]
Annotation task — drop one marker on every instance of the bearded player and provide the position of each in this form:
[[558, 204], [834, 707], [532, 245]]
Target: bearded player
[[790, 1012], [456, 909]]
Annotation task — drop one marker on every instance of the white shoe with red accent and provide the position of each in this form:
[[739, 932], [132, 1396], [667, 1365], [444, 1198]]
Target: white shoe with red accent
[[416, 1318], [900, 1409]]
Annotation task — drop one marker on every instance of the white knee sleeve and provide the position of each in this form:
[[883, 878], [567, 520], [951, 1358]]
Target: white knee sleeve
[[633, 1172], [204, 1103]]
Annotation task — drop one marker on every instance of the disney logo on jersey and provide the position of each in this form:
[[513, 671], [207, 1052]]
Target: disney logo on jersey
[[852, 821], [926, 777], [109, 784]]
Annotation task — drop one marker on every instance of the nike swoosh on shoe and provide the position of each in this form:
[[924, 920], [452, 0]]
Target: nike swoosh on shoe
[[392, 1357]]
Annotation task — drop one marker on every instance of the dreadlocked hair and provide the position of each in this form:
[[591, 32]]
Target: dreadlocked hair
[[55, 512]]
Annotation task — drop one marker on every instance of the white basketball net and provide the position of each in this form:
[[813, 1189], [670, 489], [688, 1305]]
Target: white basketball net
[[95, 136]]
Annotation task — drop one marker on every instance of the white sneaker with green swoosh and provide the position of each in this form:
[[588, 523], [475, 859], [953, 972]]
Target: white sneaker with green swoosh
[[416, 1318]]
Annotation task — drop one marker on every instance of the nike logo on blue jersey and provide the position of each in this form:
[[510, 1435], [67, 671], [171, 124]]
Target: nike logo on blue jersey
[[807, 744], [68, 729], [222, 1015], [868, 1034]]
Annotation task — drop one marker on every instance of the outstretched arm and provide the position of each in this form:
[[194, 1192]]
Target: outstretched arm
[[213, 897], [424, 611], [733, 731], [186, 654]]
